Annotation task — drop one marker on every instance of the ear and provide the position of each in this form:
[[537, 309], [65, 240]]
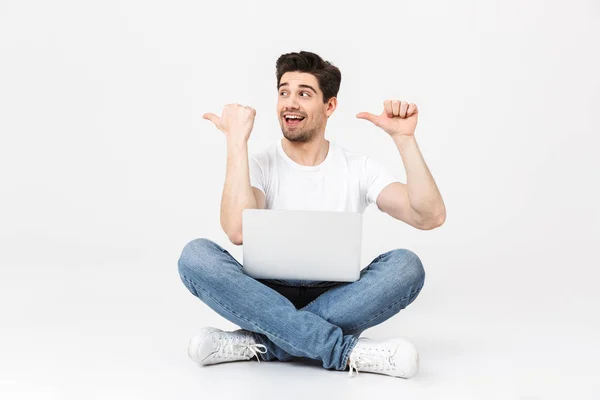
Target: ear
[[331, 106]]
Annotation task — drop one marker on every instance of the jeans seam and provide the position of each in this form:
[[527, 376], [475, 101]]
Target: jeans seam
[[384, 311], [243, 319], [348, 352]]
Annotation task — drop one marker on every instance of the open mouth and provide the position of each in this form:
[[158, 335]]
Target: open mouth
[[293, 120]]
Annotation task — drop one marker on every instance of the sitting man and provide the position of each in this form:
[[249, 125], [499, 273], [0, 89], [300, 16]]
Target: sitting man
[[323, 321]]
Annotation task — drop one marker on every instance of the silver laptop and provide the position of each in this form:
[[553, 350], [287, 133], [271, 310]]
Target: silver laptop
[[302, 245]]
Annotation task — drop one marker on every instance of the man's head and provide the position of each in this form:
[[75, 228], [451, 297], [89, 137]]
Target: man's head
[[307, 87]]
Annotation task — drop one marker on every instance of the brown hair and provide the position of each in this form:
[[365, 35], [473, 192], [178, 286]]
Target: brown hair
[[327, 74]]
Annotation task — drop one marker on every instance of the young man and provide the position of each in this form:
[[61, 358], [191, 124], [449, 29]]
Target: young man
[[283, 319]]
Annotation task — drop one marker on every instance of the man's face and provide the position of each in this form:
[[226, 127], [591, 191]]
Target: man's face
[[302, 114]]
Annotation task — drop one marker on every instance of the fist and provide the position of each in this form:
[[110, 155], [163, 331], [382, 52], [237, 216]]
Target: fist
[[399, 118], [236, 121]]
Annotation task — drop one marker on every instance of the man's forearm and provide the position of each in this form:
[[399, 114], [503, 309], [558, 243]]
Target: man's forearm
[[423, 193], [237, 193]]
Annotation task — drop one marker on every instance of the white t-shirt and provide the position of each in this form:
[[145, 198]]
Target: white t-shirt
[[344, 181]]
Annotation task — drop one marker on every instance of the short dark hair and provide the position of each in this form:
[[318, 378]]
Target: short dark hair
[[327, 74]]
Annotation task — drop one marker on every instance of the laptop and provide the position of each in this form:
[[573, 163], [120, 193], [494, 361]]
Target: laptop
[[302, 244]]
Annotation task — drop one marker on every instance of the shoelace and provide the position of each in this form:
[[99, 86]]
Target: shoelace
[[234, 346], [364, 361]]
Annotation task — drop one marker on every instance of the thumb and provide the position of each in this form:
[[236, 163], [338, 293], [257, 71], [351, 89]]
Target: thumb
[[369, 117], [213, 118]]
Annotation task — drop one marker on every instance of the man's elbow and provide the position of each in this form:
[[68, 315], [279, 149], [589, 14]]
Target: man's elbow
[[433, 223], [236, 238], [234, 233]]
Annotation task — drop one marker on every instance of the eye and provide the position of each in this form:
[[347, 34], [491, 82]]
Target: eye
[[301, 93]]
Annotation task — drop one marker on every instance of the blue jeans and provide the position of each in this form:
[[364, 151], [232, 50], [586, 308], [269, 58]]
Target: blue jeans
[[310, 319]]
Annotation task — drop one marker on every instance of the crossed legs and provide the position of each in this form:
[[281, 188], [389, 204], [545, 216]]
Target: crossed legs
[[327, 328]]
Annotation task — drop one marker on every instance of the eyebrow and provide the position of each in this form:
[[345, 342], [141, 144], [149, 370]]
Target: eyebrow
[[301, 85]]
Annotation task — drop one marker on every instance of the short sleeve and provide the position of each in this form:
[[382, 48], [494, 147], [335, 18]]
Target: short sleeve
[[377, 178], [256, 173]]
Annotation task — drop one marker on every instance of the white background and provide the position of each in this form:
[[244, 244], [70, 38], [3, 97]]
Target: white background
[[107, 170]]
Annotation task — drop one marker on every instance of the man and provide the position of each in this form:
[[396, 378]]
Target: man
[[284, 319]]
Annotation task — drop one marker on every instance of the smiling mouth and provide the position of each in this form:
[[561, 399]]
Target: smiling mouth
[[293, 120]]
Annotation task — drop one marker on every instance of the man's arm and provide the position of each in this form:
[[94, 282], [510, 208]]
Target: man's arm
[[237, 192], [419, 202], [236, 123]]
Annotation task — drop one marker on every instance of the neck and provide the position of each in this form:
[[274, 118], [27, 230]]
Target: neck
[[306, 153]]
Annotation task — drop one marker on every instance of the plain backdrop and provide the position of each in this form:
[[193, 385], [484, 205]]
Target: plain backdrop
[[107, 170]]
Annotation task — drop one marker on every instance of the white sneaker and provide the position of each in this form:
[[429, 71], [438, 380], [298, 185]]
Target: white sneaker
[[213, 346], [395, 357]]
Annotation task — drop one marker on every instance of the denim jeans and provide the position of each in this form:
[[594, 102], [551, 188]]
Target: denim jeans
[[319, 320]]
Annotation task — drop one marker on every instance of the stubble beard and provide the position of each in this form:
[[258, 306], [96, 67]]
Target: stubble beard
[[299, 136]]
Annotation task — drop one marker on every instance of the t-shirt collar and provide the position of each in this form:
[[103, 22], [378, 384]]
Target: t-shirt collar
[[293, 163]]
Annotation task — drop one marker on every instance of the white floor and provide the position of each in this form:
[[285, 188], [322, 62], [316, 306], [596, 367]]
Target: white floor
[[522, 324]]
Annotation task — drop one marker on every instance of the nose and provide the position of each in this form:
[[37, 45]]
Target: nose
[[291, 103]]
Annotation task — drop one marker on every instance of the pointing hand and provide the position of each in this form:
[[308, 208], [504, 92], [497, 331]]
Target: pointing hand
[[398, 118], [236, 121]]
